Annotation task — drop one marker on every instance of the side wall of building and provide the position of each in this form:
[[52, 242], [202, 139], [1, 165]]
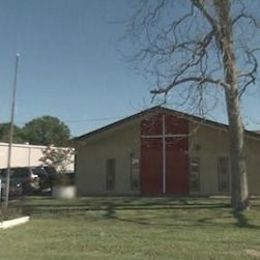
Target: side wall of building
[[91, 166], [24, 155], [253, 165], [209, 144]]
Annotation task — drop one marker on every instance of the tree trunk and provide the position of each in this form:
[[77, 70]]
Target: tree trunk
[[239, 192]]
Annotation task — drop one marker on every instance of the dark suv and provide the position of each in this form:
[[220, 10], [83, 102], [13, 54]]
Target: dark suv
[[22, 181]]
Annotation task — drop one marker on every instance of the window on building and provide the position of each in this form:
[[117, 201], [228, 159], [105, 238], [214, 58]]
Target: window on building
[[195, 174], [223, 174], [110, 172], [134, 172]]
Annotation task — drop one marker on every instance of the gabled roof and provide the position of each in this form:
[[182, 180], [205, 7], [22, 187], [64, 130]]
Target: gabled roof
[[158, 109]]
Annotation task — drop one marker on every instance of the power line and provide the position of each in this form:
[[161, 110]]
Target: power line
[[84, 120], [93, 119]]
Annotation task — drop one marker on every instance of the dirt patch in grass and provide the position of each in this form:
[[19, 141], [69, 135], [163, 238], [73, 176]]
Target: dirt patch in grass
[[253, 252]]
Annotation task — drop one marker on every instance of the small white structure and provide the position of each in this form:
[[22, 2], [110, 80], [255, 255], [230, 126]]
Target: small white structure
[[14, 222], [25, 155]]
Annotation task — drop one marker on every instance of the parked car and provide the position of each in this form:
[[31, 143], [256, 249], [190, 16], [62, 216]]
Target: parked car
[[23, 180], [15, 188], [47, 176]]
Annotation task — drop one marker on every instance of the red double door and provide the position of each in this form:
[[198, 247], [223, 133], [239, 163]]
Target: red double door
[[164, 172]]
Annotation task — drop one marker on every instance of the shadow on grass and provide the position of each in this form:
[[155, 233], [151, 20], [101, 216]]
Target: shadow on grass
[[111, 205], [243, 221], [179, 212], [181, 221]]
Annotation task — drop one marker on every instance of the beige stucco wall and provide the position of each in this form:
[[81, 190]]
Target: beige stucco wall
[[206, 142], [24, 155], [213, 143], [253, 165], [92, 156]]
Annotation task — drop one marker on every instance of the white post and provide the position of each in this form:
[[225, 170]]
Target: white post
[[29, 156], [164, 153]]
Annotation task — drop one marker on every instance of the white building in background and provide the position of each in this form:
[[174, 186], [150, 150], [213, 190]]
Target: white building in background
[[25, 155]]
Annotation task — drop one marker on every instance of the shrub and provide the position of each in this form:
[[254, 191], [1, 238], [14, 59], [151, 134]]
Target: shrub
[[64, 179], [10, 213]]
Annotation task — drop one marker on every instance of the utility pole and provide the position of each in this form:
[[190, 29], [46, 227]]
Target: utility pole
[[11, 131]]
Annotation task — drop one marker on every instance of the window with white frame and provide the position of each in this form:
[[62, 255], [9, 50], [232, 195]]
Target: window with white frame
[[194, 174], [223, 174], [134, 172], [110, 174]]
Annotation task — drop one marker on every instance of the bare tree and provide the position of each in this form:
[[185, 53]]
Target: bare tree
[[192, 47]]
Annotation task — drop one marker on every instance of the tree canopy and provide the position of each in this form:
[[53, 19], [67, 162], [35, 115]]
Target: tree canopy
[[18, 136], [59, 158], [46, 130]]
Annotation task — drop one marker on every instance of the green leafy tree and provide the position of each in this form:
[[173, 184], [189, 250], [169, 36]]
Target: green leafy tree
[[46, 130], [59, 158], [18, 136]]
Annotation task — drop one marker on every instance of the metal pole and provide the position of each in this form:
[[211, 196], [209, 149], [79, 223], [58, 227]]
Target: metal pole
[[1, 192], [29, 155], [164, 153], [11, 131]]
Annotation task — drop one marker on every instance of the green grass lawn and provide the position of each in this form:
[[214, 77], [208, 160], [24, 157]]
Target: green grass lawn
[[133, 228]]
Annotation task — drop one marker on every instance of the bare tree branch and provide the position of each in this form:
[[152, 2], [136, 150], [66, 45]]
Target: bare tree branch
[[249, 17], [199, 80], [250, 75], [201, 6], [200, 47]]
